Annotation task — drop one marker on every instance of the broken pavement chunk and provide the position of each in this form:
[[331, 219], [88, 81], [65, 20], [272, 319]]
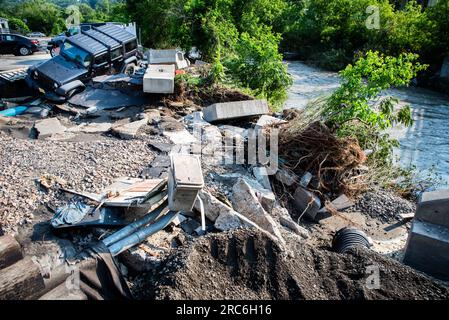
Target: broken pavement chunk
[[246, 203], [103, 99], [48, 127], [286, 177], [342, 202], [266, 120], [261, 175], [236, 109], [94, 127], [307, 203], [129, 130]]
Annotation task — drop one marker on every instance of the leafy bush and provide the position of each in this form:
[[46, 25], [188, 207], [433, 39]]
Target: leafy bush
[[355, 101], [19, 25]]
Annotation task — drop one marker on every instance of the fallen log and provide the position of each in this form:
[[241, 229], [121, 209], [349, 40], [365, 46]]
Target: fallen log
[[10, 251], [20, 280]]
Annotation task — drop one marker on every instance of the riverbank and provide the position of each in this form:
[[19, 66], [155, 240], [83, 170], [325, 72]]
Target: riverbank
[[423, 146]]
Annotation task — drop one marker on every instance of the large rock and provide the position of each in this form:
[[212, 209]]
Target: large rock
[[262, 177], [236, 109], [48, 127], [245, 202]]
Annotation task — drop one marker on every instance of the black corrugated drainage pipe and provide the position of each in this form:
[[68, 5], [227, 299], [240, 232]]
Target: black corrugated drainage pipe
[[348, 238]]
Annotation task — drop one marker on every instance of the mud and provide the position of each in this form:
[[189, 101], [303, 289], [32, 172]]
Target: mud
[[246, 265]]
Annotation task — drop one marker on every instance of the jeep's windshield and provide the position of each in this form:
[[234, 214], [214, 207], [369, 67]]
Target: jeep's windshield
[[76, 54]]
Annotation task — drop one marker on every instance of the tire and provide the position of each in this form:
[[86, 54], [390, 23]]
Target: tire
[[24, 51], [130, 69], [73, 91]]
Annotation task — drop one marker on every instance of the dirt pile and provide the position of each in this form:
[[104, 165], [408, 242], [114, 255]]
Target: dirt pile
[[246, 265]]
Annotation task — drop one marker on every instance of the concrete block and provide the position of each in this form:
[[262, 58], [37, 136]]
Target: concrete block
[[427, 249], [433, 207], [285, 177], [307, 202], [159, 79], [233, 110], [168, 56]]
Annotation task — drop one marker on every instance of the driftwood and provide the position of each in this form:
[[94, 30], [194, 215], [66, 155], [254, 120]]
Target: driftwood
[[20, 280], [10, 251]]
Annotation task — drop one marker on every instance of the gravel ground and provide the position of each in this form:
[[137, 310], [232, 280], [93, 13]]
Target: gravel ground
[[84, 165], [384, 205]]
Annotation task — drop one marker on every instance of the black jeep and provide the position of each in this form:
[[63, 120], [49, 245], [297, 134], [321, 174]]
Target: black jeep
[[100, 50]]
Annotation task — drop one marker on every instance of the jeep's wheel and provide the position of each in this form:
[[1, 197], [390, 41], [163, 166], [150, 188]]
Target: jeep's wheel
[[24, 51], [130, 69], [73, 91]]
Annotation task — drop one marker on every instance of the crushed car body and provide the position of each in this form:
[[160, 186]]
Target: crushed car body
[[97, 51]]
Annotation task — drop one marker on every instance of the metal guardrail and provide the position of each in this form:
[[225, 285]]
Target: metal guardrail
[[13, 75]]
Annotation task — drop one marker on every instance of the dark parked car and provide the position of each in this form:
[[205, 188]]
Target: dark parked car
[[97, 51], [17, 44]]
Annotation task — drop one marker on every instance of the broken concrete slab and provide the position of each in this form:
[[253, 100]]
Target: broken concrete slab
[[227, 221], [159, 79], [433, 207], [168, 56], [180, 137], [286, 220], [266, 120], [94, 127], [262, 177], [427, 249], [246, 203], [213, 207], [234, 110], [342, 202], [129, 130], [307, 202], [233, 132], [161, 146], [48, 127], [285, 177], [103, 99]]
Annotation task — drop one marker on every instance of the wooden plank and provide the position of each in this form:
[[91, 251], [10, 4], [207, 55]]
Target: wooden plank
[[10, 251], [20, 280]]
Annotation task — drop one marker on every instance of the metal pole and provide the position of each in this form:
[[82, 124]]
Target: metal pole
[[129, 229], [141, 234]]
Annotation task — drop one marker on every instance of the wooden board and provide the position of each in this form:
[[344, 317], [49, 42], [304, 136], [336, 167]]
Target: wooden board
[[10, 251], [20, 280]]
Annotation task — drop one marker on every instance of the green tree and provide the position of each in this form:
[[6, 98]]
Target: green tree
[[41, 16]]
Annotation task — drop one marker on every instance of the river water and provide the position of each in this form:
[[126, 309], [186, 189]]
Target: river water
[[424, 145]]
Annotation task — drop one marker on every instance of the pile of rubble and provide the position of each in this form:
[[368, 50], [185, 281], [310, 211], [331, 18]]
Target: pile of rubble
[[184, 192]]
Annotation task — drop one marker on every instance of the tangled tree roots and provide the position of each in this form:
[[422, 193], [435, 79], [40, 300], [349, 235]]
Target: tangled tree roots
[[331, 159]]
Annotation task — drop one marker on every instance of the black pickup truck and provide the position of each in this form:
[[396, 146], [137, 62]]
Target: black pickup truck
[[99, 50]]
